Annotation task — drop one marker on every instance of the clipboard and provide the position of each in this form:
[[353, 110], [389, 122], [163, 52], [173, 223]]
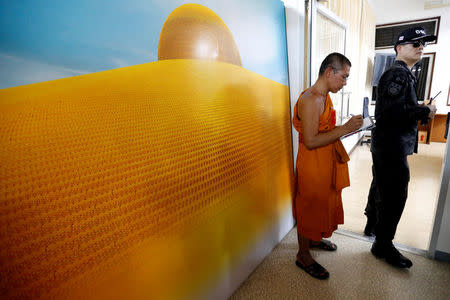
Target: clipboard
[[367, 124]]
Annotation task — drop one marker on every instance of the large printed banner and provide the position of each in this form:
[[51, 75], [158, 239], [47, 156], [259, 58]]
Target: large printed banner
[[144, 145]]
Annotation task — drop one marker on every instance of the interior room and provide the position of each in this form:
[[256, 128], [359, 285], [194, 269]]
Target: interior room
[[148, 150], [422, 215], [426, 165]]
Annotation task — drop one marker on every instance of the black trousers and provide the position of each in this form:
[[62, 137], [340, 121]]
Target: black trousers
[[388, 193]]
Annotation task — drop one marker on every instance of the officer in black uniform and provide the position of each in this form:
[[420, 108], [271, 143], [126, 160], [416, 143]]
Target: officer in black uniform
[[393, 139]]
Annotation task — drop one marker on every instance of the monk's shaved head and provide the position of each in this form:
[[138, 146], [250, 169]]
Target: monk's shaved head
[[334, 60]]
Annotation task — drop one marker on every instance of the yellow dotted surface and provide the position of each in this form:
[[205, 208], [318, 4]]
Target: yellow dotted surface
[[146, 179]]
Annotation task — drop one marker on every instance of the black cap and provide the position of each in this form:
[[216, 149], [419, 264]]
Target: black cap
[[414, 34]]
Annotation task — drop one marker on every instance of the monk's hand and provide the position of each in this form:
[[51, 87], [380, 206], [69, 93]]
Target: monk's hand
[[354, 123]]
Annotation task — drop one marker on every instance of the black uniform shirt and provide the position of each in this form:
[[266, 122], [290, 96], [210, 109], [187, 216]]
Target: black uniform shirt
[[397, 112]]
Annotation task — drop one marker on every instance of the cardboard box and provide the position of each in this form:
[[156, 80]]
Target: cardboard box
[[423, 137]]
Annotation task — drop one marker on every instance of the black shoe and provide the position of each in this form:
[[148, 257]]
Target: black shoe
[[390, 254], [369, 230]]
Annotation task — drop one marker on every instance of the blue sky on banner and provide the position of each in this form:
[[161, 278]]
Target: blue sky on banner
[[47, 39]]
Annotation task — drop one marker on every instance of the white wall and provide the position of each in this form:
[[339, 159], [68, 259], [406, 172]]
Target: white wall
[[440, 239], [295, 19], [443, 241], [388, 11]]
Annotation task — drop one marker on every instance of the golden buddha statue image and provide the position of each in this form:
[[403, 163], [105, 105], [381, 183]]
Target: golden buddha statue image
[[194, 31]]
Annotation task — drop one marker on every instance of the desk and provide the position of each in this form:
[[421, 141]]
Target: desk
[[427, 127], [438, 129], [435, 128]]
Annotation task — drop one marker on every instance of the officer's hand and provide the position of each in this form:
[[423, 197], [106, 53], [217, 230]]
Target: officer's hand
[[354, 123], [433, 110]]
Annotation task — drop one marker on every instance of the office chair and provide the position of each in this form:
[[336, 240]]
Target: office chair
[[368, 133]]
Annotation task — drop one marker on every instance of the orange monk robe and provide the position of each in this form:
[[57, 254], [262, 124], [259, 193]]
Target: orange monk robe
[[321, 174]]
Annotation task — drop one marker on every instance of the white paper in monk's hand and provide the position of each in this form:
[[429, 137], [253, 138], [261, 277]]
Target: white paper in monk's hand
[[366, 125]]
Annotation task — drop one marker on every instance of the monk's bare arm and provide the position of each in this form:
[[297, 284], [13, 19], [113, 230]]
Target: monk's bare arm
[[309, 110]]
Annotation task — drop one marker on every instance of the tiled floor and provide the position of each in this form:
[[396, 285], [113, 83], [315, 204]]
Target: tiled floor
[[354, 274], [415, 227]]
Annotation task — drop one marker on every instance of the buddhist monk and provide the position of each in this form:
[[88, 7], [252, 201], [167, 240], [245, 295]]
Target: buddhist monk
[[321, 167]]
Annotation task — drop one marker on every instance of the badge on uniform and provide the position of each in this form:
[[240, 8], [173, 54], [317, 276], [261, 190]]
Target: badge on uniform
[[394, 89]]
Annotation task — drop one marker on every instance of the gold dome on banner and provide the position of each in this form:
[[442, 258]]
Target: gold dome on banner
[[112, 184], [193, 31]]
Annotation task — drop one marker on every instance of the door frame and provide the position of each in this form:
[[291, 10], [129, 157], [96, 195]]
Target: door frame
[[317, 8]]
